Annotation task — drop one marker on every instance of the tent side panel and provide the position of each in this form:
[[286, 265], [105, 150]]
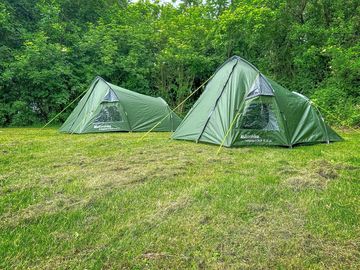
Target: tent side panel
[[144, 113], [292, 107], [229, 106], [73, 120], [303, 122], [194, 122], [333, 136], [310, 128]]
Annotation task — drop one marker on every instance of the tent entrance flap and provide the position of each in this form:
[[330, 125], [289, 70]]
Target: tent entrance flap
[[109, 112], [259, 114], [260, 122], [110, 116]]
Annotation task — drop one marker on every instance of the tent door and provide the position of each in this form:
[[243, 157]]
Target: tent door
[[260, 122], [110, 116]]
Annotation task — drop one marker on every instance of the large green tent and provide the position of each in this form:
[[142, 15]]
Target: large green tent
[[240, 106], [107, 107]]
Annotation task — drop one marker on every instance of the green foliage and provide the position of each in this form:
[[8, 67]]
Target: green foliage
[[337, 107], [31, 80], [51, 50], [21, 114], [185, 57]]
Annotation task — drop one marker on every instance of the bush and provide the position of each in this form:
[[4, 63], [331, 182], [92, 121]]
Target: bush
[[21, 114], [337, 107]]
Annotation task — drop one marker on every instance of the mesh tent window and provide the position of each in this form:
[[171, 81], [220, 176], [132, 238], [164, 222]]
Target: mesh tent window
[[259, 116], [109, 109], [260, 87], [110, 96], [109, 113]]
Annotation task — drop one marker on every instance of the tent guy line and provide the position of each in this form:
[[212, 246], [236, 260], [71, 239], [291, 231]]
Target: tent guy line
[[181, 103], [228, 131], [56, 116]]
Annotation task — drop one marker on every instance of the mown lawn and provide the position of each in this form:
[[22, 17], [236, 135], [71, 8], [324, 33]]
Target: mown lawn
[[111, 201]]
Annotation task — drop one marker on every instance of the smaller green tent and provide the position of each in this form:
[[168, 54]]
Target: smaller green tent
[[240, 106], [106, 107]]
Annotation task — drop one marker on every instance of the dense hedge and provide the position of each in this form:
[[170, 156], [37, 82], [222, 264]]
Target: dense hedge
[[50, 50]]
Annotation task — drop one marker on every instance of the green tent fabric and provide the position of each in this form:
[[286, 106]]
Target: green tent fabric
[[106, 107], [240, 106]]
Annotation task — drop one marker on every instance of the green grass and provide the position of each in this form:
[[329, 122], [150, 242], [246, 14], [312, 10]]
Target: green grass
[[101, 201]]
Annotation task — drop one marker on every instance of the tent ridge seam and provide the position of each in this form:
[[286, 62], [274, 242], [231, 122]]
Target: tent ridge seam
[[217, 100]]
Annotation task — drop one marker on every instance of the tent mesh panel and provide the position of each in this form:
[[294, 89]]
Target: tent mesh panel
[[260, 87], [259, 116], [109, 113], [110, 96]]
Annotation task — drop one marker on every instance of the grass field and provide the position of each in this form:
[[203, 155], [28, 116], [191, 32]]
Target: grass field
[[110, 201]]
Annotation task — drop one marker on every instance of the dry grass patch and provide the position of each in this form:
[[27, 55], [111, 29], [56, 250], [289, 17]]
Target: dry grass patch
[[137, 169], [275, 238], [57, 203], [316, 175]]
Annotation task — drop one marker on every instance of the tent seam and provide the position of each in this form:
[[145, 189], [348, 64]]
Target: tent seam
[[95, 83], [217, 100], [283, 118], [322, 121]]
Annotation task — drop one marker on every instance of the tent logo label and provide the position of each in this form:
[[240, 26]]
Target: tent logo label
[[254, 138], [103, 127]]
